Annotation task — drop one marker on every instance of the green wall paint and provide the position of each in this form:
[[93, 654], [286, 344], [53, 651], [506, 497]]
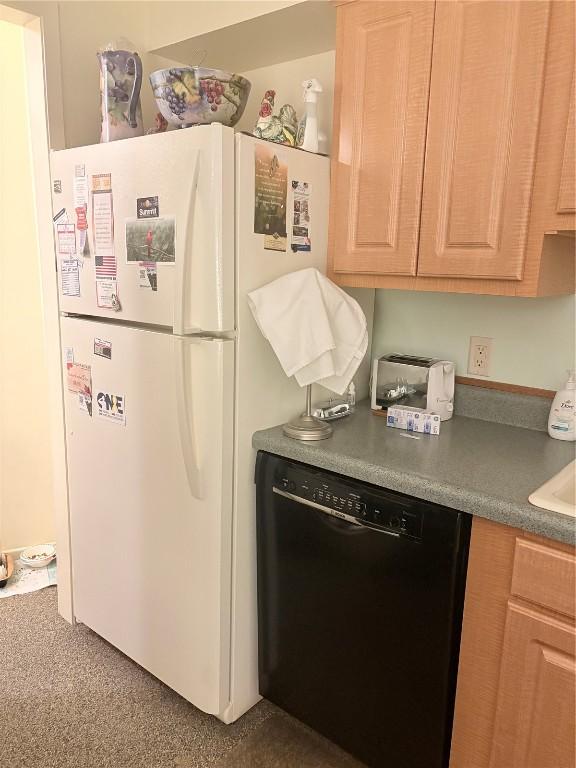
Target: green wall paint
[[534, 339]]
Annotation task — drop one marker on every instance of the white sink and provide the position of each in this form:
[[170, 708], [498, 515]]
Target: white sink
[[559, 493]]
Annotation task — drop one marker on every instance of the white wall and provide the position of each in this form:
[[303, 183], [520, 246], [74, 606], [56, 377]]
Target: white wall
[[26, 507], [48, 13], [169, 22], [534, 339]]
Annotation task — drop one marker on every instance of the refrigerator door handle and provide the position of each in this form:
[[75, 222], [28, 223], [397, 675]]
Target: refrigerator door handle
[[184, 412], [183, 264]]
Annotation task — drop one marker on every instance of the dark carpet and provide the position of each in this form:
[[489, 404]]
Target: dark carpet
[[282, 742], [70, 700]]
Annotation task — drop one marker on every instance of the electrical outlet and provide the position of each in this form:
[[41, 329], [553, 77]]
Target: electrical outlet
[[480, 355]]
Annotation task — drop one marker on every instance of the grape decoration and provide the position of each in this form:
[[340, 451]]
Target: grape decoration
[[176, 103], [213, 91]]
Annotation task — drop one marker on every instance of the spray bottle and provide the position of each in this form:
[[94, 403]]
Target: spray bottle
[[351, 396], [307, 137]]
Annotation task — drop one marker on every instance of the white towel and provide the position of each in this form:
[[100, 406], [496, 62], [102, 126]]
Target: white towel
[[317, 331]]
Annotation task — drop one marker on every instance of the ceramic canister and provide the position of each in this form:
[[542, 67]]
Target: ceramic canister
[[120, 82]]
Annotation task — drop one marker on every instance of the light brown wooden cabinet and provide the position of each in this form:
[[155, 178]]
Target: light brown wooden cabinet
[[517, 676], [384, 54], [454, 146]]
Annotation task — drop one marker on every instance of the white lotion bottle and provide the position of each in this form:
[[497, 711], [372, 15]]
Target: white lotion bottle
[[561, 422]]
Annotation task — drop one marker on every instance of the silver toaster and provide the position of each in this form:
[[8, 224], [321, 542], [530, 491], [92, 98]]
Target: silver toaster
[[419, 382]]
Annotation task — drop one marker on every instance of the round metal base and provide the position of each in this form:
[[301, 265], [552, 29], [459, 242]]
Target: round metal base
[[307, 428]]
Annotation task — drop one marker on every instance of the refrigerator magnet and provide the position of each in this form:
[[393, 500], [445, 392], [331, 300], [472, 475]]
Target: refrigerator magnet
[[274, 242], [151, 240], [61, 217], [147, 208], [103, 348], [148, 275], [85, 402], [111, 407], [107, 295]]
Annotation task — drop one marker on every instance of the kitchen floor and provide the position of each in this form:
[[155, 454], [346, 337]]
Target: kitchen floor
[[69, 699]]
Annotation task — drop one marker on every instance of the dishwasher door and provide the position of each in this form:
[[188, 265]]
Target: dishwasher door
[[360, 597]]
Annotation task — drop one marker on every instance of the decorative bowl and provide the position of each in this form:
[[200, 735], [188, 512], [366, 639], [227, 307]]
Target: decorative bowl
[[39, 556], [6, 568], [198, 95]]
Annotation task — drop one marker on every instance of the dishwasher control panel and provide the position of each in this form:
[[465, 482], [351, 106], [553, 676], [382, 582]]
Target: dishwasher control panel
[[384, 510]]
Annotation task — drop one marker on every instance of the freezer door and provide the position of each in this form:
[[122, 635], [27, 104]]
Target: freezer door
[[150, 488], [187, 178]]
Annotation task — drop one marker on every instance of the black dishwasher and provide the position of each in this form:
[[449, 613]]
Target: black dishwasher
[[360, 598]]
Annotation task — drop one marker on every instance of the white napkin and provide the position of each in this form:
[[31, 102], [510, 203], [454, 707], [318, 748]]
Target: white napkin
[[317, 331]]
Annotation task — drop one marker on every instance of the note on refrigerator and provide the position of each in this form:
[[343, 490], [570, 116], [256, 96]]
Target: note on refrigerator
[[66, 239], [301, 219], [80, 187], [107, 295], [78, 377], [270, 192], [70, 277], [79, 381], [102, 216], [103, 226]]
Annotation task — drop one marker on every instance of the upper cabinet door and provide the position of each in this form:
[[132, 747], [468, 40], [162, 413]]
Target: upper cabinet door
[[383, 66], [485, 98], [567, 188]]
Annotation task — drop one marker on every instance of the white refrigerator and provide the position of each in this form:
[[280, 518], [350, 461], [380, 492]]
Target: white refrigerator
[[158, 240]]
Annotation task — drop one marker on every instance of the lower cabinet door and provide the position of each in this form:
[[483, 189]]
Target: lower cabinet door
[[535, 717]]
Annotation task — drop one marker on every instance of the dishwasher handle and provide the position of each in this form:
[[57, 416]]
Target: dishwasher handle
[[334, 513]]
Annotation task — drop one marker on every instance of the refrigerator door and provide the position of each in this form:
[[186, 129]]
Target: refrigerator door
[[150, 488], [265, 395], [172, 201]]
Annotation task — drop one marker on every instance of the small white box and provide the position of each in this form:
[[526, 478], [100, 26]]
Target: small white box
[[413, 419]]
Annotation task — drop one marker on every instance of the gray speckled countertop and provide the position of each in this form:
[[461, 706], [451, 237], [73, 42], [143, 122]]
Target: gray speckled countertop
[[480, 467]]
